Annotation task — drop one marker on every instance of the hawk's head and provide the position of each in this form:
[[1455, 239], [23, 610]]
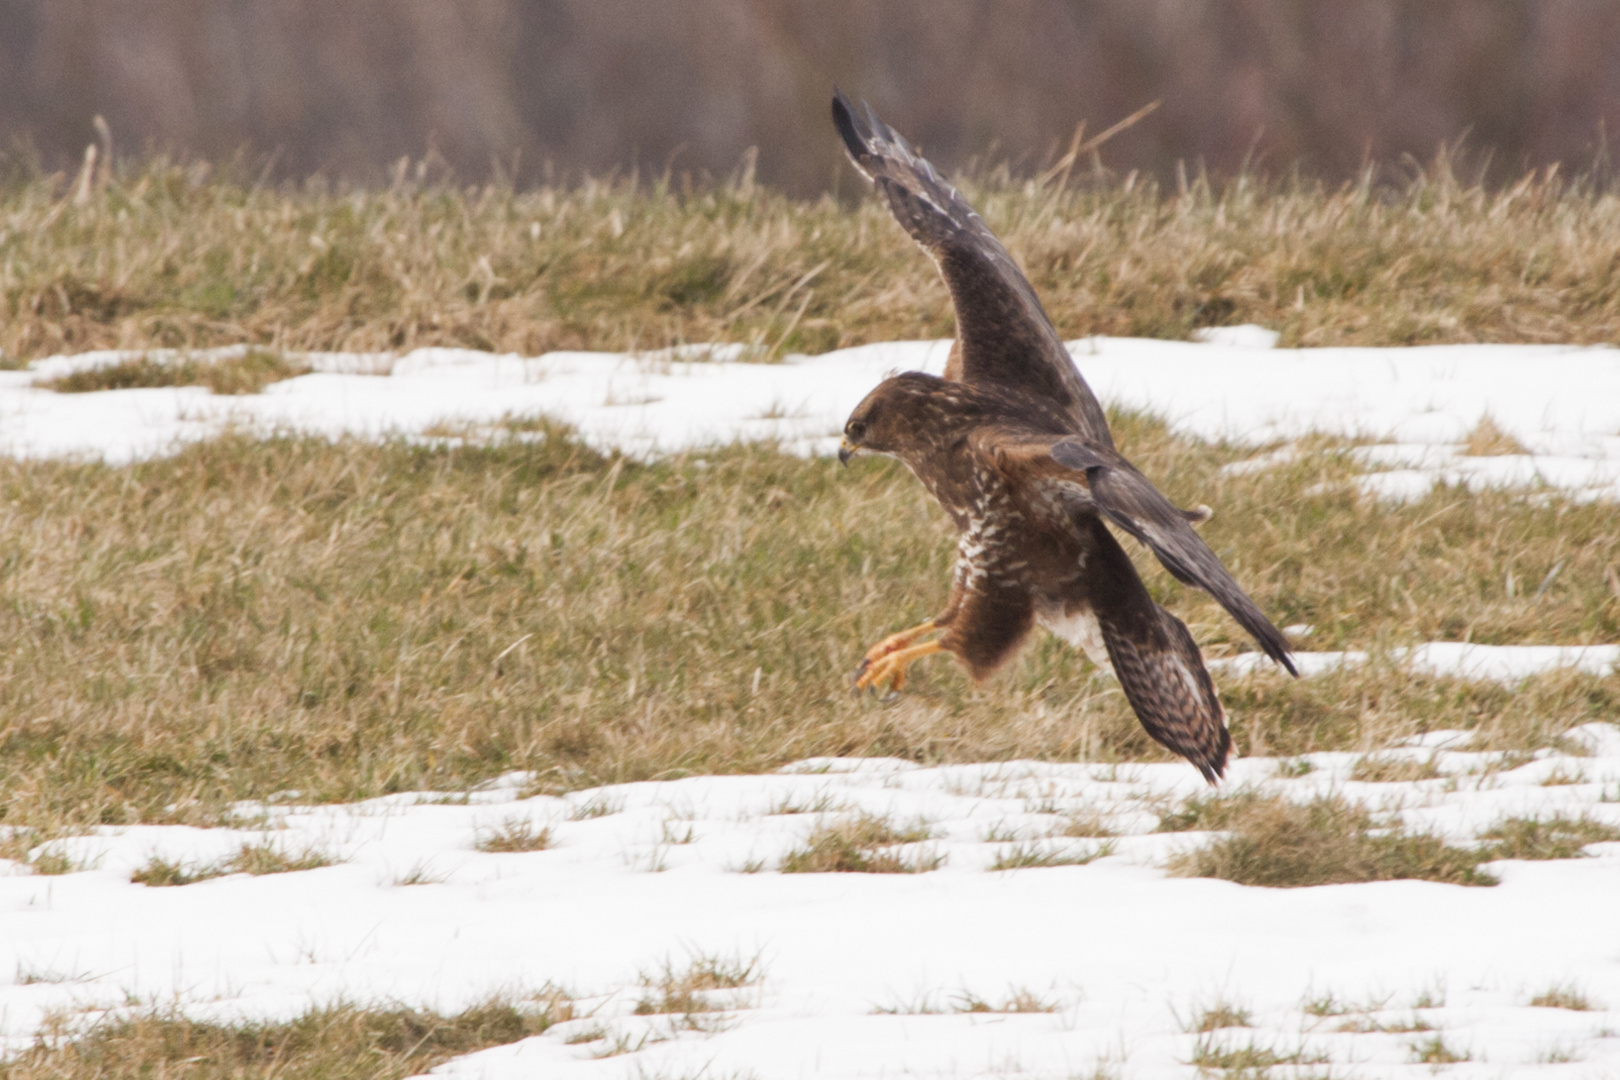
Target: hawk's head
[[891, 418]]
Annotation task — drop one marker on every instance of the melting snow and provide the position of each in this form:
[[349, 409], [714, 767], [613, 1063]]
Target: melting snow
[[863, 974], [1561, 403]]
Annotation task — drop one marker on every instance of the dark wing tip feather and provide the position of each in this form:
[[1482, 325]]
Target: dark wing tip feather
[[844, 119]]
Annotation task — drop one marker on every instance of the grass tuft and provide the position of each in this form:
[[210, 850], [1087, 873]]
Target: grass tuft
[[691, 990], [1028, 856], [1221, 1015], [340, 1042], [1545, 838], [599, 807], [1366, 1025], [1564, 996], [1434, 1051], [1487, 439], [1281, 844], [516, 835], [421, 873], [255, 859], [1018, 1000], [1250, 1061], [823, 803], [1085, 825], [249, 373], [1203, 813], [1380, 769], [862, 844]]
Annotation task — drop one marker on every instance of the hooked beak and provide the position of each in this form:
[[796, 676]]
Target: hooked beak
[[846, 450]]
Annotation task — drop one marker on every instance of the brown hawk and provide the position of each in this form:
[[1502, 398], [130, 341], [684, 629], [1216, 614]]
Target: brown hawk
[[1017, 450]]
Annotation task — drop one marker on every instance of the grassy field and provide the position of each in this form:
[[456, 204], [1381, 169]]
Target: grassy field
[[151, 253], [352, 619]]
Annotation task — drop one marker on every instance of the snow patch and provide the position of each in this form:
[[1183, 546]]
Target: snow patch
[[1122, 953], [1464, 660]]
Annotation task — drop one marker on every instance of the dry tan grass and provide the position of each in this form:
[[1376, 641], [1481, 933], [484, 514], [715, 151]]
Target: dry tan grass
[[689, 990], [1564, 996], [260, 858], [515, 836], [246, 374], [1433, 1051], [1383, 769], [159, 256], [1545, 838], [1222, 1014], [340, 1042], [337, 618], [1214, 1054], [1281, 844], [862, 844], [1030, 856], [1489, 440], [1017, 1000]]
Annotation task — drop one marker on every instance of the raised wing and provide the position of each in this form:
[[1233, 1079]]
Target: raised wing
[[1129, 500], [1004, 336]]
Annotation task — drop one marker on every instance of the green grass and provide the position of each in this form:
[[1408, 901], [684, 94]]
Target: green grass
[[348, 620], [158, 257], [339, 1042]]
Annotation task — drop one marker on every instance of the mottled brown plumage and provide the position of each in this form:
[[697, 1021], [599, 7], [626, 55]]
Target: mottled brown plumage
[[1015, 447]]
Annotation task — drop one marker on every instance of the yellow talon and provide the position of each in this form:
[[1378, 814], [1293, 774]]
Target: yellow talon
[[891, 667], [894, 643]]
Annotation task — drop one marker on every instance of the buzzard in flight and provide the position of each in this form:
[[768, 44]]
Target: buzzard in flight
[[1016, 449]]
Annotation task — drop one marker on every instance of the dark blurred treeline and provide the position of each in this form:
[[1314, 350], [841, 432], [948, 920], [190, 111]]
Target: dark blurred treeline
[[347, 87]]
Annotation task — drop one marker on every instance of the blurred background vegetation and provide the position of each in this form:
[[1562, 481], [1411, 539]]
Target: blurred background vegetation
[[558, 88]]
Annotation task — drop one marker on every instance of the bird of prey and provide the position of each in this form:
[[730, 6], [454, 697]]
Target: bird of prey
[[1015, 447]]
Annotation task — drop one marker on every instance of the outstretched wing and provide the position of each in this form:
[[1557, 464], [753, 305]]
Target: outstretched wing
[[1003, 333], [1129, 500]]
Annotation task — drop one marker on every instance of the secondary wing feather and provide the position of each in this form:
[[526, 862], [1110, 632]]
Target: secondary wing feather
[[1004, 335]]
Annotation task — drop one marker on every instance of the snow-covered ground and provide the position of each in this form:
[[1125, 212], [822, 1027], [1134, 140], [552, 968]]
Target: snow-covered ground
[[1561, 403], [866, 974], [863, 974]]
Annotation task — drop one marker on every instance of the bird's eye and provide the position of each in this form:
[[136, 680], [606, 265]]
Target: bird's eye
[[856, 430]]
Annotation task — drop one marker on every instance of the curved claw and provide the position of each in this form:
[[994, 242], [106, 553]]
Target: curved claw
[[890, 667], [862, 683], [894, 643]]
